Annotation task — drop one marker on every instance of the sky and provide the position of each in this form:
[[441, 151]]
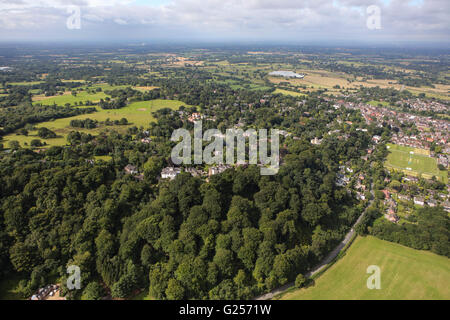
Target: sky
[[268, 21]]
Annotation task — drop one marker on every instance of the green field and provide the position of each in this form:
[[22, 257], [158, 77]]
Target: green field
[[405, 274], [81, 97], [290, 93], [377, 103], [414, 162], [137, 113]]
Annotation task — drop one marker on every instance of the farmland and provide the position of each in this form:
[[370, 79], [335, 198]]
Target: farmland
[[412, 161], [405, 274]]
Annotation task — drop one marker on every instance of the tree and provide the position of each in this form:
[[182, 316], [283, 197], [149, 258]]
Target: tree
[[14, 145], [45, 133], [175, 290], [36, 143], [93, 291], [300, 281]]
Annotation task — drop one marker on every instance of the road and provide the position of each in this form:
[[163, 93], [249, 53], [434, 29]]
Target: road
[[333, 254]]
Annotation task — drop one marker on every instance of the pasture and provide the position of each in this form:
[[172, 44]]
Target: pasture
[[289, 93], [406, 274], [138, 114], [413, 161]]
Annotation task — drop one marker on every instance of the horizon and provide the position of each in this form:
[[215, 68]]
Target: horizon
[[333, 22]]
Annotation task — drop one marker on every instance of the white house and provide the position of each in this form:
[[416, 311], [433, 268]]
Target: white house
[[419, 201], [170, 173]]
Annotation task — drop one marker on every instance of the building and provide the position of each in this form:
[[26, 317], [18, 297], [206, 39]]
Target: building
[[130, 169], [432, 203], [195, 117], [194, 172], [218, 169], [392, 217], [446, 206], [170, 173], [404, 197], [386, 193], [419, 201], [146, 140]]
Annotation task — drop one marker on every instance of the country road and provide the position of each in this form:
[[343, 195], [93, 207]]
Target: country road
[[333, 254]]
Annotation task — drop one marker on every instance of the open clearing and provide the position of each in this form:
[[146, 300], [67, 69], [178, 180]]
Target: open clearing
[[137, 113], [413, 161], [406, 274]]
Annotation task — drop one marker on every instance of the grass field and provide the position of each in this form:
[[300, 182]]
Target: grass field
[[138, 114], [378, 103], [290, 93], [405, 274], [413, 161], [81, 97]]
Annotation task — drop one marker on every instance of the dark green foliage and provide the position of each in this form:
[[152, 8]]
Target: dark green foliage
[[431, 232]]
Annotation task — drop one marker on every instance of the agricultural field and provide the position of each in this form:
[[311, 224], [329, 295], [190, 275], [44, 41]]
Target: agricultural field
[[322, 79], [413, 161], [67, 97], [406, 274], [289, 93], [138, 114]]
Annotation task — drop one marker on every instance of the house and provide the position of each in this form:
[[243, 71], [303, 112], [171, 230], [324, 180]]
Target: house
[[194, 172], [432, 203], [170, 173], [316, 141], [411, 179], [194, 117], [218, 169], [130, 169], [392, 217], [146, 140], [386, 194], [419, 201], [404, 197], [376, 139], [446, 206]]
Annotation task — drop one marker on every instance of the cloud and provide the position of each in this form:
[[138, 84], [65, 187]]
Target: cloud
[[230, 19]]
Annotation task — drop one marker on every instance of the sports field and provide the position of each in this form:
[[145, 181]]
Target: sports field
[[138, 114], [413, 161], [406, 274]]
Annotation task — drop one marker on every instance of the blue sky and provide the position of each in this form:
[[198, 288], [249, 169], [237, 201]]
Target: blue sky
[[290, 21]]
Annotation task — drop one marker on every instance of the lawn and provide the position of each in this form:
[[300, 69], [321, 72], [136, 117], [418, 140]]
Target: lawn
[[406, 274], [137, 113], [413, 161]]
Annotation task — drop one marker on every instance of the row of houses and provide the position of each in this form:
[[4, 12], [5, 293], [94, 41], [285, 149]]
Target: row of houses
[[172, 172]]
